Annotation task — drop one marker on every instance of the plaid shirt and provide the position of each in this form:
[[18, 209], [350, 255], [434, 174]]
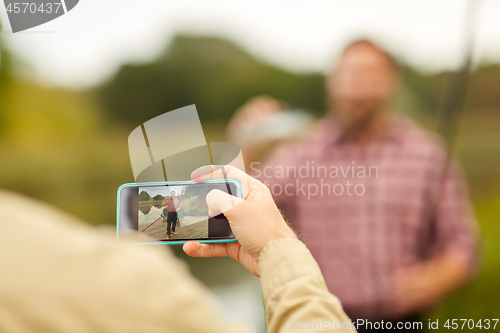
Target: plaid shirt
[[398, 211], [172, 205]]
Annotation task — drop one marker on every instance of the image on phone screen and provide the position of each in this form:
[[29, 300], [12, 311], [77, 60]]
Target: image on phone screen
[[177, 211]]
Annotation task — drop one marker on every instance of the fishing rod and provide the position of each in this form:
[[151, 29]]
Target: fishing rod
[[452, 103], [455, 90]]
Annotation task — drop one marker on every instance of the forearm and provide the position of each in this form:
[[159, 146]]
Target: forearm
[[451, 271], [295, 291]]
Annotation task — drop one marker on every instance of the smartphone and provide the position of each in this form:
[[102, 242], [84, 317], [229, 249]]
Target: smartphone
[[172, 212]]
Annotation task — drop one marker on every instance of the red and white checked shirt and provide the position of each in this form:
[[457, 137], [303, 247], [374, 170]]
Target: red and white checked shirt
[[406, 211], [173, 205]]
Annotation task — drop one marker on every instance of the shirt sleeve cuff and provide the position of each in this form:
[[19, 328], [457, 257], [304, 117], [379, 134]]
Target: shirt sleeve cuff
[[285, 260]]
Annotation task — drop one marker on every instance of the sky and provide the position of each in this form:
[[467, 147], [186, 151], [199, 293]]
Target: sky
[[88, 44], [162, 190]]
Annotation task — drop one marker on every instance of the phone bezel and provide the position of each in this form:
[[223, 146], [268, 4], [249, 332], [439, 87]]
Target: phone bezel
[[137, 185]]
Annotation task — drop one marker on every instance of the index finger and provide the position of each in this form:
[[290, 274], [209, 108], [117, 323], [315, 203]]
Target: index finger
[[222, 172]]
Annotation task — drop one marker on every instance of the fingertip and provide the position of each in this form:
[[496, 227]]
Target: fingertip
[[191, 248], [202, 173], [219, 202]]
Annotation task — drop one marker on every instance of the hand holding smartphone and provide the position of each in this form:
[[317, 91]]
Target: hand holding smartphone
[[255, 220]]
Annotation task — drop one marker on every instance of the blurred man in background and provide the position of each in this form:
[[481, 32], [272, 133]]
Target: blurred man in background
[[372, 195]]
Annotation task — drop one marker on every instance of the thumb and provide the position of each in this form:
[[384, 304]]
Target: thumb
[[219, 202]]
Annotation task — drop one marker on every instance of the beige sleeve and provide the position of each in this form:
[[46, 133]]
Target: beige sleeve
[[59, 275], [295, 293]]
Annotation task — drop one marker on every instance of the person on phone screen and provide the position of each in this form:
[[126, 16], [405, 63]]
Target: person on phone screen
[[172, 205]]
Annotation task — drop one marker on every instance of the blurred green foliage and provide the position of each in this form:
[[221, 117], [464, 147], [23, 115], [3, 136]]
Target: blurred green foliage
[[194, 205], [158, 197], [212, 73], [144, 196], [69, 148], [479, 300], [5, 80]]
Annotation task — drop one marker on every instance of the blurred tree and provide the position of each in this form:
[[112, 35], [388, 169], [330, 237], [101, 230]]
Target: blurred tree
[[144, 196], [484, 89], [218, 77], [212, 73], [158, 197]]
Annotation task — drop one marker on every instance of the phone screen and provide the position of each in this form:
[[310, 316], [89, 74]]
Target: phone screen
[[178, 211]]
